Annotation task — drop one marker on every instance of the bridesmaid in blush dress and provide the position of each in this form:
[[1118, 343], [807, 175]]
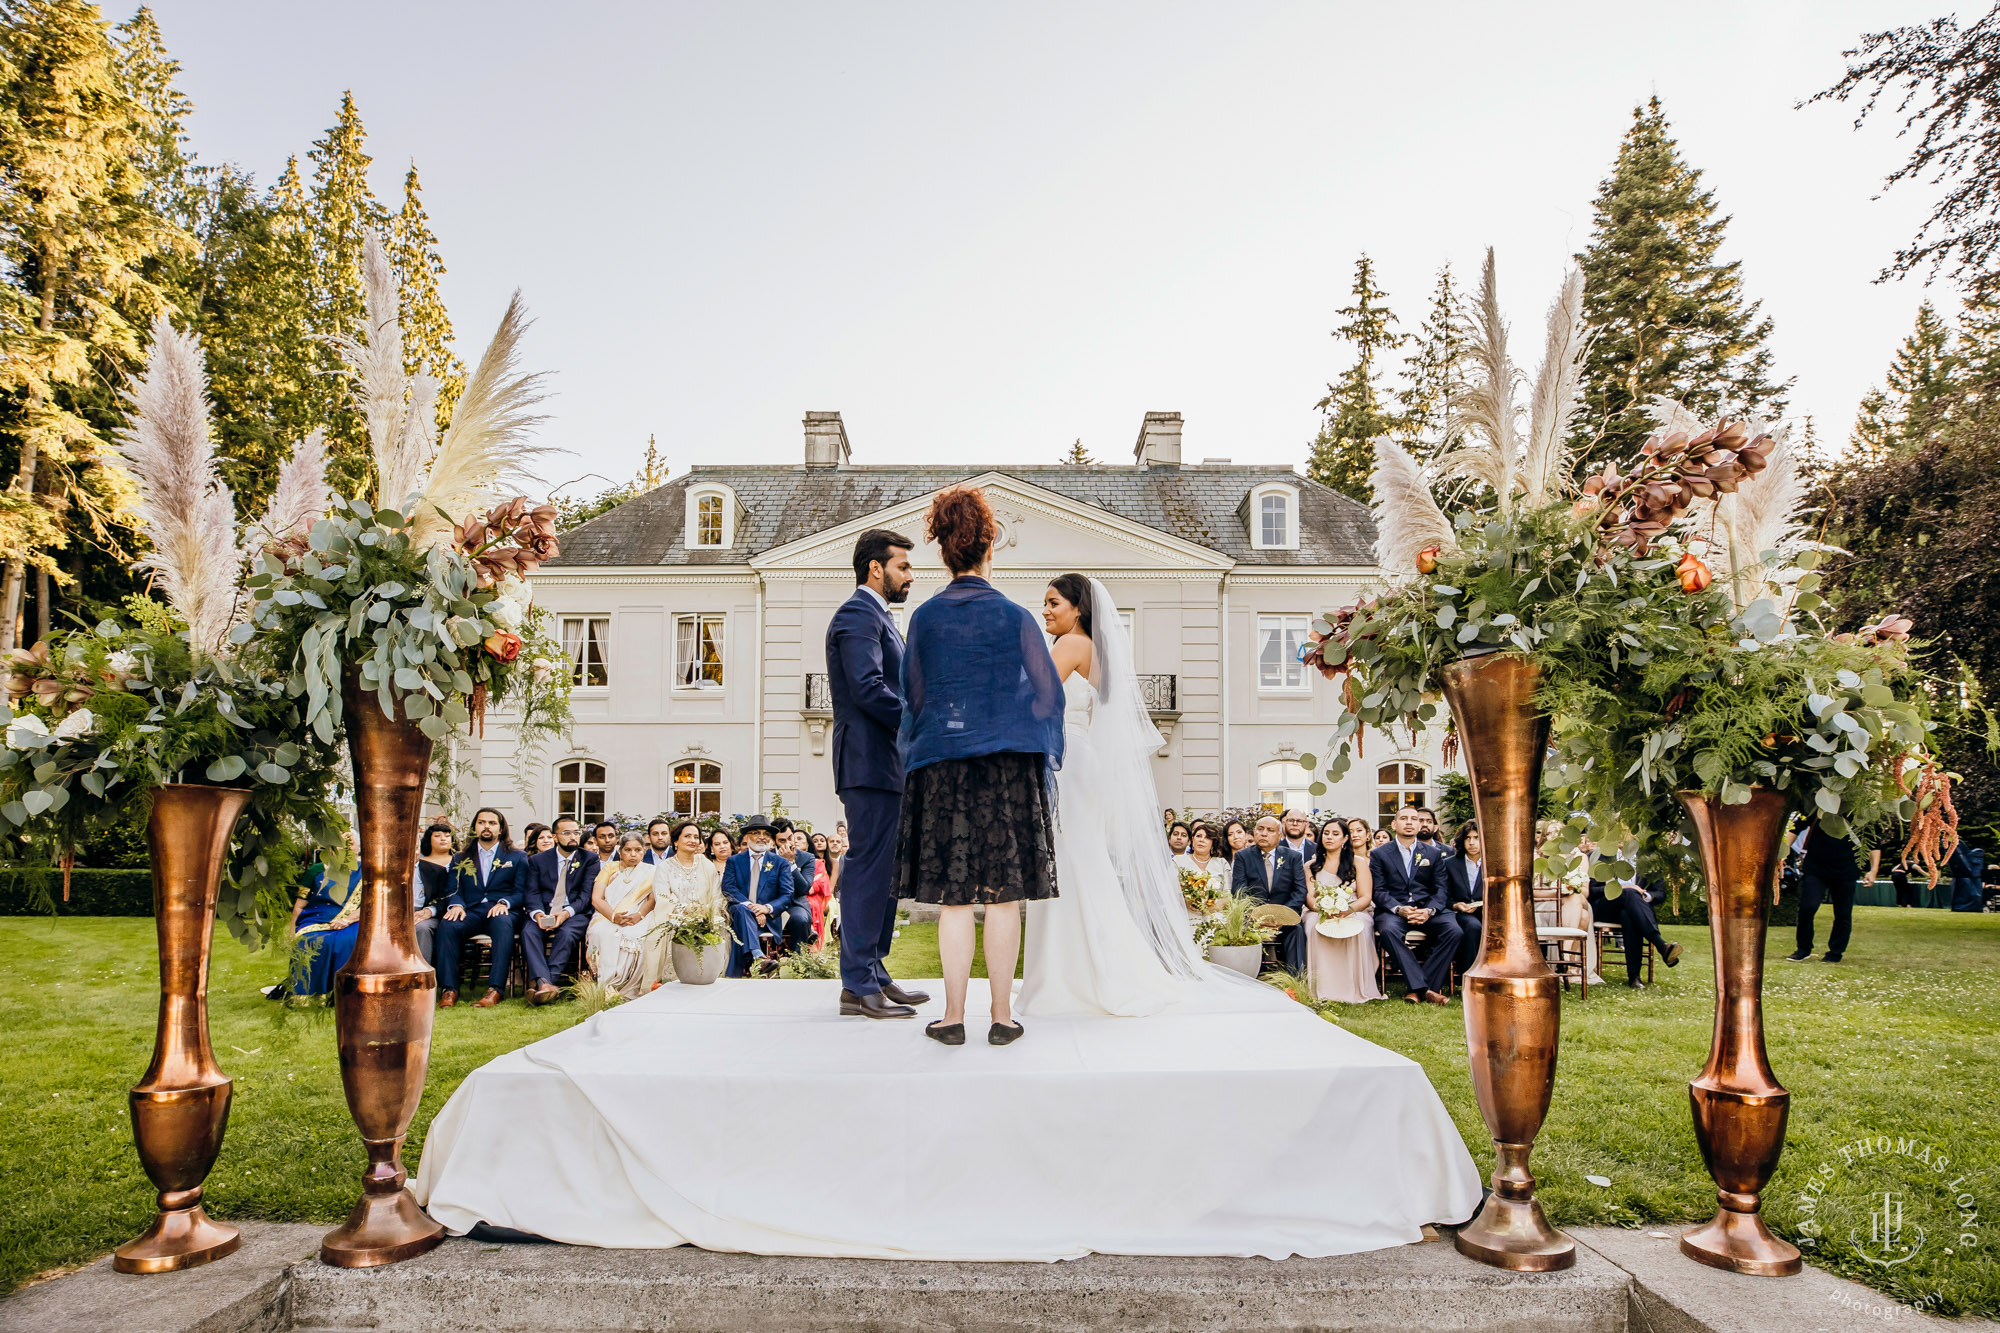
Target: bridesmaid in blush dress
[[1342, 967]]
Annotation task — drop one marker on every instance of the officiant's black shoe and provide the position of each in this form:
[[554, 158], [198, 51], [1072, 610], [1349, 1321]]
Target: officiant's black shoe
[[1673, 953], [901, 996], [1000, 1034], [876, 1005], [951, 1034]]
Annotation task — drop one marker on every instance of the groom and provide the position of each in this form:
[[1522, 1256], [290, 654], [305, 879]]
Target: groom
[[864, 669]]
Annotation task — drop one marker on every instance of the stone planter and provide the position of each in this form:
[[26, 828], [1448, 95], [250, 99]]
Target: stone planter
[[699, 967], [1245, 958]]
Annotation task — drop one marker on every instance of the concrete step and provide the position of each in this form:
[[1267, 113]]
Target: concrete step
[[468, 1287]]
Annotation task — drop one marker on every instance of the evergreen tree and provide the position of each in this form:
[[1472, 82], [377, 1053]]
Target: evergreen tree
[[74, 235], [426, 323], [1436, 367], [1875, 428], [1353, 416], [1078, 456], [1669, 317], [171, 176], [340, 210], [1922, 384]]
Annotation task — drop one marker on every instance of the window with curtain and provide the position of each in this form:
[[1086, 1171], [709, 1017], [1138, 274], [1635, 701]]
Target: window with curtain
[[587, 639], [1282, 785], [1278, 642], [1399, 785], [697, 788], [698, 652], [580, 791]]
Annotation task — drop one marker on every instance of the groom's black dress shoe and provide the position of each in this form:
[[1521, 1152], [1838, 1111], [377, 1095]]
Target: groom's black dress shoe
[[901, 996], [877, 1005]]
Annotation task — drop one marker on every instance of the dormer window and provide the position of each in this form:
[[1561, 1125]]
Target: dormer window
[[1274, 517], [711, 517]]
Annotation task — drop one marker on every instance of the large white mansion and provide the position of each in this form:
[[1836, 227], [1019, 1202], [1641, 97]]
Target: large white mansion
[[695, 616]]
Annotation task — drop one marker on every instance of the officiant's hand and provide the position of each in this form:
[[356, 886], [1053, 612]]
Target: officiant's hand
[[454, 913]]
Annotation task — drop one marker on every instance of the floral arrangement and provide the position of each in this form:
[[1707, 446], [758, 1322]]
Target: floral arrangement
[[1199, 892], [1670, 605], [1332, 900], [424, 592], [99, 717], [1244, 920], [694, 923]]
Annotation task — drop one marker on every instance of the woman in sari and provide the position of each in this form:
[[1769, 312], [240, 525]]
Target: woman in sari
[[686, 876], [615, 942], [325, 927]]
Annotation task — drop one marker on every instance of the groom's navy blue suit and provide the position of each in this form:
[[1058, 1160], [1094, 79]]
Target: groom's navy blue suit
[[864, 671]]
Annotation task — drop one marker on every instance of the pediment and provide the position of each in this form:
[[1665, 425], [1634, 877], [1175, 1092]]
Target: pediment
[[1040, 529]]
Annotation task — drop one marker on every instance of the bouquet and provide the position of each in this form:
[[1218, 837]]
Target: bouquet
[[1203, 899], [694, 923], [1332, 900]]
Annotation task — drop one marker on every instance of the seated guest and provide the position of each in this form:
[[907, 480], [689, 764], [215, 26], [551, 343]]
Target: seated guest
[[326, 927], [487, 885], [820, 896], [793, 842], [536, 838], [1178, 837], [686, 875], [1632, 912], [1277, 874], [720, 848], [622, 899], [1427, 828], [1204, 857], [433, 862], [604, 841], [659, 841], [758, 882], [1408, 897], [1464, 873], [1297, 828], [559, 908], [1235, 837], [1341, 967]]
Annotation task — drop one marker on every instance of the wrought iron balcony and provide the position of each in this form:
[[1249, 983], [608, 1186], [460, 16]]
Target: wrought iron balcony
[[1161, 693], [819, 695]]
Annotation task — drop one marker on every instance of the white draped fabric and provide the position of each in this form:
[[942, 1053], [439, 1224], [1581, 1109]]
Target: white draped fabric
[[1237, 1125]]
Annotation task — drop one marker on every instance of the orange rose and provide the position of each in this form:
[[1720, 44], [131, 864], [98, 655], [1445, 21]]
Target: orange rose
[[1427, 559], [504, 646], [1694, 575]]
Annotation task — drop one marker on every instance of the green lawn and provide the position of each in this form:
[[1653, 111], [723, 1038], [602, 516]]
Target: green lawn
[[1897, 1041]]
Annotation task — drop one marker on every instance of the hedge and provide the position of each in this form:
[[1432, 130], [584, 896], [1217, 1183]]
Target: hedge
[[91, 892]]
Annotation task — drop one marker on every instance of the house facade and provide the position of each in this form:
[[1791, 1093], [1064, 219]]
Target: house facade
[[695, 620]]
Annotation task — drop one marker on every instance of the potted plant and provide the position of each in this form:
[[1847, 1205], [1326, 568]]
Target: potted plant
[[166, 718], [699, 931], [1241, 928]]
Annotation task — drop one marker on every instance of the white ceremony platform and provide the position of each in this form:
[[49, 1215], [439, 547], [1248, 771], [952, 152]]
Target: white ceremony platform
[[747, 1116]]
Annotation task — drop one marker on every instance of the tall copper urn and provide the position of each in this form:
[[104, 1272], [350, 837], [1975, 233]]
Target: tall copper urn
[[1739, 1108], [383, 997], [180, 1109], [1512, 999]]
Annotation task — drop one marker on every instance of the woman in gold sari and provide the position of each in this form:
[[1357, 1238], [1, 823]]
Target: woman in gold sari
[[615, 942]]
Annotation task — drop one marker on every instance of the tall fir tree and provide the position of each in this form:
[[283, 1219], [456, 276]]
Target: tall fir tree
[[341, 210], [1670, 318], [1353, 415], [427, 340], [1436, 368], [75, 235], [1078, 456], [1922, 385]]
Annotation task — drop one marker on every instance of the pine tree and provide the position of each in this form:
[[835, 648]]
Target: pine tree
[[340, 210], [426, 323], [1669, 318], [74, 235], [171, 176], [1875, 429], [1436, 367], [1343, 453], [1923, 382], [1078, 456]]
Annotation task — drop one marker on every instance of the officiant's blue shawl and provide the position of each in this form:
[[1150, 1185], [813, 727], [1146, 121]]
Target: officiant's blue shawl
[[977, 679]]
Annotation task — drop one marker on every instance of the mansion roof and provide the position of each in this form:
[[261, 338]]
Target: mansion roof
[[781, 504]]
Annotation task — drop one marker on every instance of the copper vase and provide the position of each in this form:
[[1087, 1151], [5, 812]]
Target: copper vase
[[384, 996], [180, 1109], [1512, 999], [1739, 1108]]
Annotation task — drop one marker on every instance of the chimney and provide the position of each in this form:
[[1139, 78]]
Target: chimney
[[1159, 440], [826, 440]]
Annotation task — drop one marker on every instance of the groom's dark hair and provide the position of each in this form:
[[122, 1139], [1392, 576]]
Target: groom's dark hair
[[873, 545]]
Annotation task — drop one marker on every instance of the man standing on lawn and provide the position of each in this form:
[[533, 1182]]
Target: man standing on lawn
[[1827, 870]]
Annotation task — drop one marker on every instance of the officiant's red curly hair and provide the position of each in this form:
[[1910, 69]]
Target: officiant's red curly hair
[[962, 524]]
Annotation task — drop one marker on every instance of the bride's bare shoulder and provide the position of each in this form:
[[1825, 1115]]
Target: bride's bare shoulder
[[1072, 652]]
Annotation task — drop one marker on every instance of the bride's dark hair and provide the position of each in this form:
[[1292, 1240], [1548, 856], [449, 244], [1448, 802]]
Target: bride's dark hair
[[1075, 590]]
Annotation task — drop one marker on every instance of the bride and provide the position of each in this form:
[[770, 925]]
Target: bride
[[1115, 940]]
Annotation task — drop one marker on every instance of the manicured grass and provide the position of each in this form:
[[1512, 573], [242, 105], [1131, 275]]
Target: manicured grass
[[1898, 1041]]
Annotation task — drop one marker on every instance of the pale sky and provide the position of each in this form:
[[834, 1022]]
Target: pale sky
[[981, 232]]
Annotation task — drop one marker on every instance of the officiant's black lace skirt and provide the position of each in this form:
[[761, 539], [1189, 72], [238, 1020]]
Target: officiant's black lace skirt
[[977, 830]]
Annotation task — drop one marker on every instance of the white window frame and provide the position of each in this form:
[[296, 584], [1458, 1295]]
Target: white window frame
[[1291, 535], [1290, 796], [578, 788], [1288, 662], [707, 491], [1402, 789], [695, 790], [578, 657], [701, 619]]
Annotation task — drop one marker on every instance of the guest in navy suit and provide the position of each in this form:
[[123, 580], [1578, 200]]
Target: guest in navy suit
[[864, 670], [1409, 897], [485, 889], [659, 843], [760, 884], [1464, 876], [559, 908], [1274, 872]]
